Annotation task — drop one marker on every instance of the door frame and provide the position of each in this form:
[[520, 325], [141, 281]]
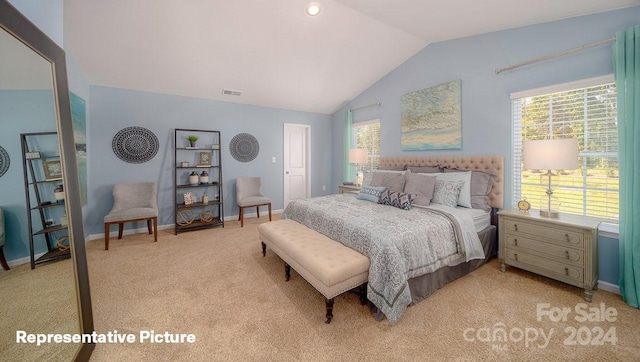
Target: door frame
[[307, 171]]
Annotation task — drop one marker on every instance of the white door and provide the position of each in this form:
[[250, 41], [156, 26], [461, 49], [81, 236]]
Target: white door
[[296, 162]]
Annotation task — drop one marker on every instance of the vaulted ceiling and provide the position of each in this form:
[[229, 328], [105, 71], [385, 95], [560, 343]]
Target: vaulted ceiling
[[272, 51]]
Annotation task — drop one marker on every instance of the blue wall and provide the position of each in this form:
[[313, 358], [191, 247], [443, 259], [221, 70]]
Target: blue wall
[[114, 109], [22, 112], [486, 105]]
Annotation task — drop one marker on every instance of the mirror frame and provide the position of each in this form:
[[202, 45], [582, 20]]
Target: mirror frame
[[16, 24]]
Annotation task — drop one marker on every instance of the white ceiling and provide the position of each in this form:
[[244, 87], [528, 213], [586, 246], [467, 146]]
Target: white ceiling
[[272, 51]]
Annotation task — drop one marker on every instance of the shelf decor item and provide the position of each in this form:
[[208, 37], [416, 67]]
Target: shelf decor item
[[184, 164], [192, 140], [58, 193], [185, 217], [205, 198], [52, 170], [205, 159], [193, 178], [188, 198], [135, 144], [204, 178]]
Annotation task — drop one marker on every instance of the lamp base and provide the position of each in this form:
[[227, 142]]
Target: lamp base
[[550, 214]]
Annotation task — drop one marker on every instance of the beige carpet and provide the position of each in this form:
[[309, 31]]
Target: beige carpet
[[42, 300], [216, 284]]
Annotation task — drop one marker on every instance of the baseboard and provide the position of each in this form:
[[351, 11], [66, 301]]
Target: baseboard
[[20, 261], [612, 288], [171, 226]]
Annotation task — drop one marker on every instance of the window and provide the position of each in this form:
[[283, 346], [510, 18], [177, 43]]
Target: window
[[367, 135], [585, 110]]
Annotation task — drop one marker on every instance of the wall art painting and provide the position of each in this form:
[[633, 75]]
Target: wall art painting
[[431, 119]]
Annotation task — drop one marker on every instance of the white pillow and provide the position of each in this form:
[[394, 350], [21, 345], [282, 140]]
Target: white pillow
[[464, 199]]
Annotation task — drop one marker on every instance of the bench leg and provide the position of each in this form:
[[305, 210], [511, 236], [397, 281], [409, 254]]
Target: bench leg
[[264, 249], [287, 271], [329, 310], [363, 294]]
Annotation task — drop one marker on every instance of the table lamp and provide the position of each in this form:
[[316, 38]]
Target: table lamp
[[358, 156], [550, 155]]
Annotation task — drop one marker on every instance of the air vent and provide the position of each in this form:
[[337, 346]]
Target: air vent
[[230, 92]]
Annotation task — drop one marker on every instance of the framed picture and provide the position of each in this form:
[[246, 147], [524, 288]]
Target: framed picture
[[52, 170], [205, 159]]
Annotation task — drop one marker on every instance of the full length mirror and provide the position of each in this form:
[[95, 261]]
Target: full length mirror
[[46, 290]]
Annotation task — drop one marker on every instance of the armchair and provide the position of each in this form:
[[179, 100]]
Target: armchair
[[249, 194], [132, 202]]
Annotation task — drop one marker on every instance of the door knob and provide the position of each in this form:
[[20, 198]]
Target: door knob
[[287, 172]]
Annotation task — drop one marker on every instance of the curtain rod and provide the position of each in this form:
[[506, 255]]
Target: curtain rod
[[555, 55], [367, 106]]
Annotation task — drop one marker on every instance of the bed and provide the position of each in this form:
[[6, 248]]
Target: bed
[[415, 249]]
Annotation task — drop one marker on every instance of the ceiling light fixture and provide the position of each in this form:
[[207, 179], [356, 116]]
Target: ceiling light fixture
[[313, 8]]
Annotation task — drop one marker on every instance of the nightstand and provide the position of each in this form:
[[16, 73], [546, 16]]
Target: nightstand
[[564, 248], [348, 188]]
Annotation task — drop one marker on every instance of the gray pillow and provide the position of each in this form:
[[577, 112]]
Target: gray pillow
[[425, 169], [447, 192], [481, 183], [392, 181], [420, 185]]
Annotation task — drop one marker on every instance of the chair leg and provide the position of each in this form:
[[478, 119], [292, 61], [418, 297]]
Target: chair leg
[[155, 229], [120, 229], [258, 211], [242, 217], [149, 226], [106, 235], [3, 261], [269, 211]]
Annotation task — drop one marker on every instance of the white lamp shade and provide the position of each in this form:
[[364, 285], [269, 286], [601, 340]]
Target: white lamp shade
[[557, 154], [358, 155]]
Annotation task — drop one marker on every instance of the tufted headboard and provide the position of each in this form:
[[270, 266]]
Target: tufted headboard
[[489, 164]]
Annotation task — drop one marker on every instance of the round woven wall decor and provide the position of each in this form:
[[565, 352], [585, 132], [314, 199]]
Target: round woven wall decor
[[135, 144], [4, 161], [244, 147]]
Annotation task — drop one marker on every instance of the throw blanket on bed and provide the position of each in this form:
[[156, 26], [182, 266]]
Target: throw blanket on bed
[[400, 244]]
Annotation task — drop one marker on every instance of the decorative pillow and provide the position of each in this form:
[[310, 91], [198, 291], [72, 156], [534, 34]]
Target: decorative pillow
[[425, 169], [481, 184], [421, 185], [464, 199], [391, 181], [396, 199], [368, 175], [446, 192], [370, 193]]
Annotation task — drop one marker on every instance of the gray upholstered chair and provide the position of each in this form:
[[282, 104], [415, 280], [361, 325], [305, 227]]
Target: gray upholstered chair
[[132, 202], [3, 237], [249, 194]]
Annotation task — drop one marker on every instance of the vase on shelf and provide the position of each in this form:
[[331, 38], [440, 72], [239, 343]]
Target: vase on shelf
[[193, 178], [58, 193], [204, 177], [205, 198]]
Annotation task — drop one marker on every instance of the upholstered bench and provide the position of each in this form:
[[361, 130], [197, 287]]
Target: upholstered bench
[[327, 265]]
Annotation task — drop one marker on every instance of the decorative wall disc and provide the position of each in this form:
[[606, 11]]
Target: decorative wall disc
[[4, 161], [135, 144], [244, 147]]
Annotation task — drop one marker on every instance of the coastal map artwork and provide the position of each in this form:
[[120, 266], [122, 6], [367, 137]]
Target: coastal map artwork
[[431, 119]]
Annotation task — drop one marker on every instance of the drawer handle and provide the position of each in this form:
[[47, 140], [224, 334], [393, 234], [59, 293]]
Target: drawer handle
[[515, 226], [566, 271], [515, 256], [515, 242], [566, 236], [566, 253]]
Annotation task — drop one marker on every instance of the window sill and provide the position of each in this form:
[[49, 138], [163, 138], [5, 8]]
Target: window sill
[[609, 230]]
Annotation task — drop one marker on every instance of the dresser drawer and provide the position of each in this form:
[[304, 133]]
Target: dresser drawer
[[550, 268], [558, 253], [557, 236]]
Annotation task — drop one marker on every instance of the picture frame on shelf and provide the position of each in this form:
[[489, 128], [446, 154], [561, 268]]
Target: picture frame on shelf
[[52, 170], [205, 159]]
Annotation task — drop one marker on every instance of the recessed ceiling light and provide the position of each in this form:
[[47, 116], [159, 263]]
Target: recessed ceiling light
[[313, 8]]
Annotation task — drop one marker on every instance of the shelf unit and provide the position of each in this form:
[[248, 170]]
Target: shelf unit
[[38, 148], [197, 215]]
